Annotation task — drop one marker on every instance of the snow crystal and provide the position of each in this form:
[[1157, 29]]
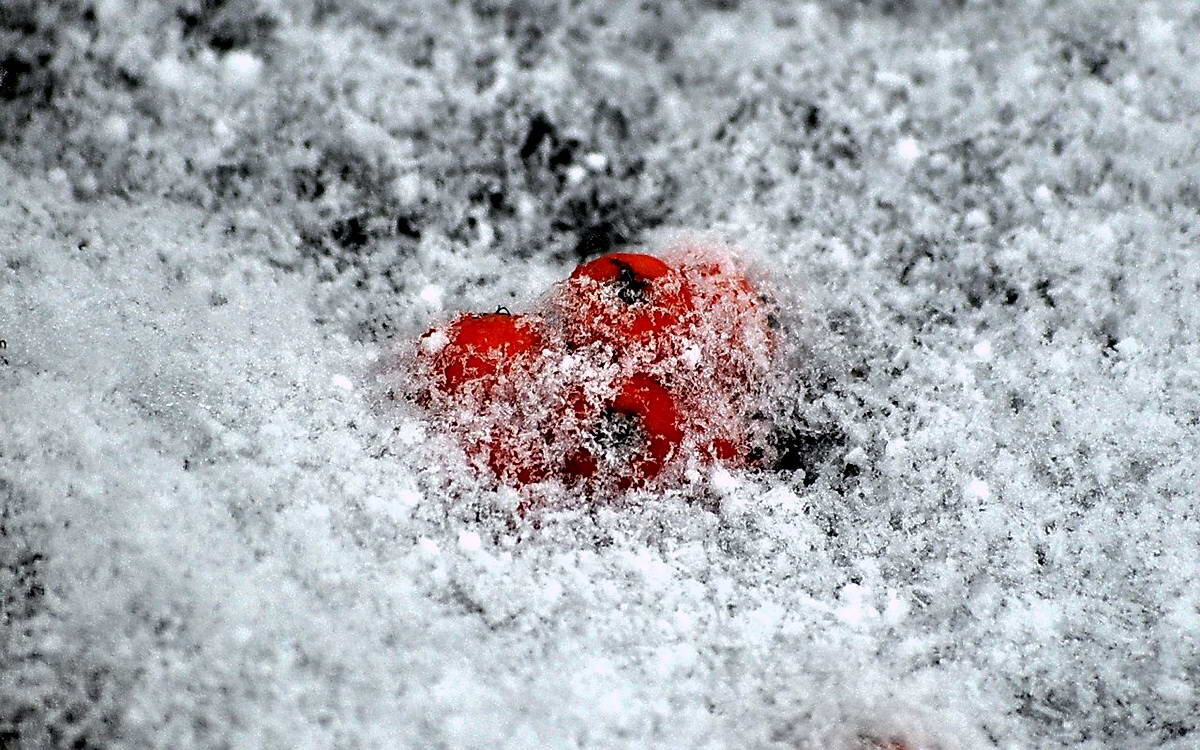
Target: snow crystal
[[856, 457], [114, 130], [723, 481], [893, 80], [895, 610], [432, 294], [241, 70], [576, 173], [469, 541], [907, 151], [595, 162], [407, 188], [1129, 347], [428, 546], [110, 11], [855, 606], [434, 342], [976, 218], [1156, 30], [977, 490], [171, 74]]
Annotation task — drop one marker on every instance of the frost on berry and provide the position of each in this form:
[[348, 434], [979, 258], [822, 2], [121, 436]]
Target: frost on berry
[[630, 438], [479, 352], [636, 368], [625, 299]]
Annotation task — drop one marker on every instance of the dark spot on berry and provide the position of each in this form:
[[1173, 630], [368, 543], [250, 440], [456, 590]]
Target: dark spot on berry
[[619, 437], [631, 288]]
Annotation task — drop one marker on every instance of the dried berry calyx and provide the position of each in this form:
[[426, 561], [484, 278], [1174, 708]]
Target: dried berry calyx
[[631, 438]]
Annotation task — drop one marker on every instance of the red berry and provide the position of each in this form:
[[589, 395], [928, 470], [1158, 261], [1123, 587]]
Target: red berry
[[733, 310], [632, 437], [730, 350], [624, 298], [479, 350]]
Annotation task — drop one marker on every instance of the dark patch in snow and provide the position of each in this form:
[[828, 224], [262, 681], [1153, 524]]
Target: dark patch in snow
[[20, 77], [226, 25], [407, 226], [351, 232], [797, 448]]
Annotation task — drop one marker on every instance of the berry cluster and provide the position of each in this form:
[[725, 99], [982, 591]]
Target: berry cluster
[[633, 367]]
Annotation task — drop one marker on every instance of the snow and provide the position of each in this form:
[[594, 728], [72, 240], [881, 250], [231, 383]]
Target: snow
[[595, 162], [432, 294], [222, 523], [469, 541], [576, 173], [977, 490], [171, 74], [241, 70], [908, 150]]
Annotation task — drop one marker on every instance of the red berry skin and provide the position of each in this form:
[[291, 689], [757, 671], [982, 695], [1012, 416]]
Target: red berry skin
[[659, 433], [479, 349], [736, 311], [516, 457], [465, 363], [624, 298]]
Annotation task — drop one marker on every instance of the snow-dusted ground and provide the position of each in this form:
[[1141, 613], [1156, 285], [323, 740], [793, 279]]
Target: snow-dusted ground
[[219, 220]]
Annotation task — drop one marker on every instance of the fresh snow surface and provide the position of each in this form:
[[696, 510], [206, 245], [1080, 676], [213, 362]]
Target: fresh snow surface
[[224, 225]]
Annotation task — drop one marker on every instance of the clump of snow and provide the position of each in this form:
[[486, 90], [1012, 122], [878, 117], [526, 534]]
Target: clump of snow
[[241, 70], [908, 150]]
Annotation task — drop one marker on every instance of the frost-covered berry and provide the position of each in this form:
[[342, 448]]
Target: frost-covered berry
[[732, 323], [622, 299], [479, 350], [631, 439], [641, 367], [516, 455]]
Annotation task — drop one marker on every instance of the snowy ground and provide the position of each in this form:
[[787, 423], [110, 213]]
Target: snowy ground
[[220, 218]]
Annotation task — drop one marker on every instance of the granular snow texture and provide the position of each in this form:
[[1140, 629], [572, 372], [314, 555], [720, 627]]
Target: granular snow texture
[[221, 220]]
